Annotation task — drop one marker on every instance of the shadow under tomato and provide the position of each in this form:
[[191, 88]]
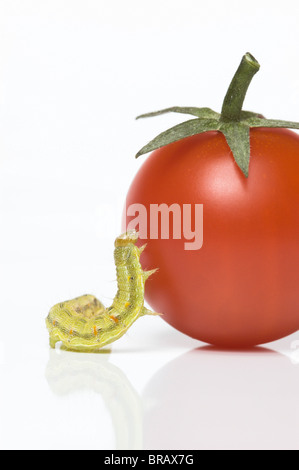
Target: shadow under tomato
[[212, 399], [250, 350]]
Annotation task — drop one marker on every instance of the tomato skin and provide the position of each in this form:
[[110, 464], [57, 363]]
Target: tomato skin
[[241, 288]]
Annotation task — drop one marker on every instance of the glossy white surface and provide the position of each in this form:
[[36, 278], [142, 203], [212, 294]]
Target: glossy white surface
[[73, 76], [155, 389]]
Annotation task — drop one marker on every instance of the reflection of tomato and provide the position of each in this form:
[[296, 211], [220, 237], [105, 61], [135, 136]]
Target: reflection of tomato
[[242, 287], [214, 400]]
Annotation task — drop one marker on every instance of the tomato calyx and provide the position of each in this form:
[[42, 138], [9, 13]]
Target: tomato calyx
[[232, 122]]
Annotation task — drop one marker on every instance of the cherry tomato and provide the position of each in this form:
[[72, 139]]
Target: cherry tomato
[[241, 288]]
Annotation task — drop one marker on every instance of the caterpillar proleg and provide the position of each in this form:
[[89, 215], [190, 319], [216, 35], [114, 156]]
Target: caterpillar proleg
[[84, 324]]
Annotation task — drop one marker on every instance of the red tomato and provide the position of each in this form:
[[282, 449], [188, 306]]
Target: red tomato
[[242, 287]]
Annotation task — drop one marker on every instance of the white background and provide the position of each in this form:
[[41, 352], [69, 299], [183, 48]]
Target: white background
[[73, 76]]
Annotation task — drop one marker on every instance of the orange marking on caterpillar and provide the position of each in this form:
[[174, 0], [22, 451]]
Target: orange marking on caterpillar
[[114, 318]]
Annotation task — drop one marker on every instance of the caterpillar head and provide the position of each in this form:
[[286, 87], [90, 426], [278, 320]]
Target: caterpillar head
[[126, 238]]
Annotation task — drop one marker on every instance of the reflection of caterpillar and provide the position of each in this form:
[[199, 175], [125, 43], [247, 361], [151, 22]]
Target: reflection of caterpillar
[[84, 324], [69, 373]]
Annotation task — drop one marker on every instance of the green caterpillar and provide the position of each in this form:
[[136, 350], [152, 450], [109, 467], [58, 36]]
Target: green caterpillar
[[84, 324]]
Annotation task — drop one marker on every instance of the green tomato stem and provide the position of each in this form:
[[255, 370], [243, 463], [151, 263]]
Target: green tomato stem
[[234, 98]]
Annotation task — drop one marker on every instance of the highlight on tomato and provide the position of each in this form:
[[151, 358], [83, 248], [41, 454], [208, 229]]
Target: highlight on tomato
[[237, 286]]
